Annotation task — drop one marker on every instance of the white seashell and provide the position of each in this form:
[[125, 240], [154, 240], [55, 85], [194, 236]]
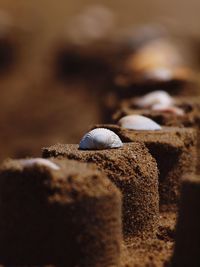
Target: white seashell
[[100, 138], [168, 109], [138, 122], [161, 74], [153, 98], [39, 161]]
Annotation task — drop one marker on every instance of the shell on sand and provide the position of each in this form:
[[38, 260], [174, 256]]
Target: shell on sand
[[157, 97], [138, 122], [169, 109], [100, 138], [38, 161], [162, 74]]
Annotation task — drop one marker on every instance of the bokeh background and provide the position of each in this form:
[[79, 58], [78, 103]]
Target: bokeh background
[[39, 104]]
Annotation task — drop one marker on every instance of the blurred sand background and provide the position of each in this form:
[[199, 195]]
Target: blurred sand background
[[47, 19], [181, 16], [37, 110]]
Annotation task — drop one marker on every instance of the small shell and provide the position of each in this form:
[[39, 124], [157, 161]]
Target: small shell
[[156, 97], [162, 74], [168, 109], [100, 138], [138, 122], [38, 161]]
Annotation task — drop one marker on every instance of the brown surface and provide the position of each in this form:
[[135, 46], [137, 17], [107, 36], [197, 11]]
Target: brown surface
[[187, 248], [175, 152], [134, 172], [71, 216], [167, 223], [153, 252]]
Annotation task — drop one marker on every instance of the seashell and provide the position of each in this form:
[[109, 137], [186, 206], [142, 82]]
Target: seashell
[[39, 161], [100, 138], [162, 74], [138, 122], [153, 98], [168, 109], [157, 60]]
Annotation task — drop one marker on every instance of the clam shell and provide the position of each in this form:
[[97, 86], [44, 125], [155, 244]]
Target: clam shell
[[168, 109], [153, 98], [138, 122], [162, 74], [39, 161], [100, 138]]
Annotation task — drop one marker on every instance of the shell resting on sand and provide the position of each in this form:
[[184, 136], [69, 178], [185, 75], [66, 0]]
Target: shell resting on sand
[[100, 138], [38, 161], [138, 122], [169, 109], [157, 97]]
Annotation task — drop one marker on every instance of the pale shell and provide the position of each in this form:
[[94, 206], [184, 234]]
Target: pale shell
[[38, 161], [138, 122], [169, 109], [162, 74], [153, 98], [100, 138]]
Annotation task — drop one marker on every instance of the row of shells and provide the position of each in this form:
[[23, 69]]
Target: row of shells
[[102, 138]]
